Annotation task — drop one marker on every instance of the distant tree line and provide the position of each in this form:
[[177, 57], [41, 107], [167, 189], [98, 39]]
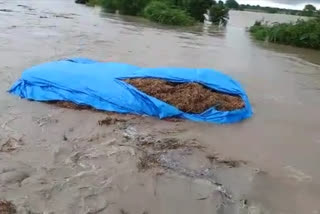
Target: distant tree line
[[309, 9], [188, 12], [173, 12]]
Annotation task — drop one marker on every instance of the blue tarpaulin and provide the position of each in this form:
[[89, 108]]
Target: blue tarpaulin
[[100, 85]]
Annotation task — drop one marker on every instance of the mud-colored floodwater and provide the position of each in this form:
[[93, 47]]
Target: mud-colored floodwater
[[57, 160]]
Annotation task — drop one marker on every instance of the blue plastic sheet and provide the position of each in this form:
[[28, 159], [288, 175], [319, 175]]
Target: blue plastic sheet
[[100, 85]]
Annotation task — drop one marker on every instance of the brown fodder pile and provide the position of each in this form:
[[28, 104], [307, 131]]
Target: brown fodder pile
[[188, 97], [6, 207]]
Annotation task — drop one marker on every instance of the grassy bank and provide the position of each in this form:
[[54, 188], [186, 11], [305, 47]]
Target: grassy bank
[[302, 33], [171, 12]]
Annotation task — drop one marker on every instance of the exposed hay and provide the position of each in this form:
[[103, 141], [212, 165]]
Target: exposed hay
[[70, 105], [188, 97]]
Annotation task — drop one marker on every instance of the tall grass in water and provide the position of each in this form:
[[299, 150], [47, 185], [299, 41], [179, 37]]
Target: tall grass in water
[[165, 13], [302, 33]]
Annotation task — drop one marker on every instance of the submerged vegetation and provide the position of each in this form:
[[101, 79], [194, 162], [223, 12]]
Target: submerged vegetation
[[302, 33], [161, 12], [219, 13], [172, 12]]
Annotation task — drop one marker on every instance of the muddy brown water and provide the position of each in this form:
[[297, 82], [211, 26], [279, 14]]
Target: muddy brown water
[[56, 160]]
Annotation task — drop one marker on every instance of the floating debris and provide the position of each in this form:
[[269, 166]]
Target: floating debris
[[122, 211], [166, 143], [148, 161], [7, 207], [110, 121], [46, 120], [10, 145], [62, 16], [6, 10], [25, 7], [226, 162], [65, 138]]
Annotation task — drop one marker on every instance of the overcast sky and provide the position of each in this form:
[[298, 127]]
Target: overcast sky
[[293, 4]]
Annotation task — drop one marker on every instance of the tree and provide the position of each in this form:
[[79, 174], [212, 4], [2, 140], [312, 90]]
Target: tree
[[110, 5], [310, 7], [82, 1], [197, 8], [271, 10], [232, 4], [309, 10], [219, 14]]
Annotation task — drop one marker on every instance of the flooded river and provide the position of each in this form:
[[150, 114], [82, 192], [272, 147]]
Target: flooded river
[[55, 160]]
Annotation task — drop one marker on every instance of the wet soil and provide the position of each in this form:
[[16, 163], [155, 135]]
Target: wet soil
[[188, 97]]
